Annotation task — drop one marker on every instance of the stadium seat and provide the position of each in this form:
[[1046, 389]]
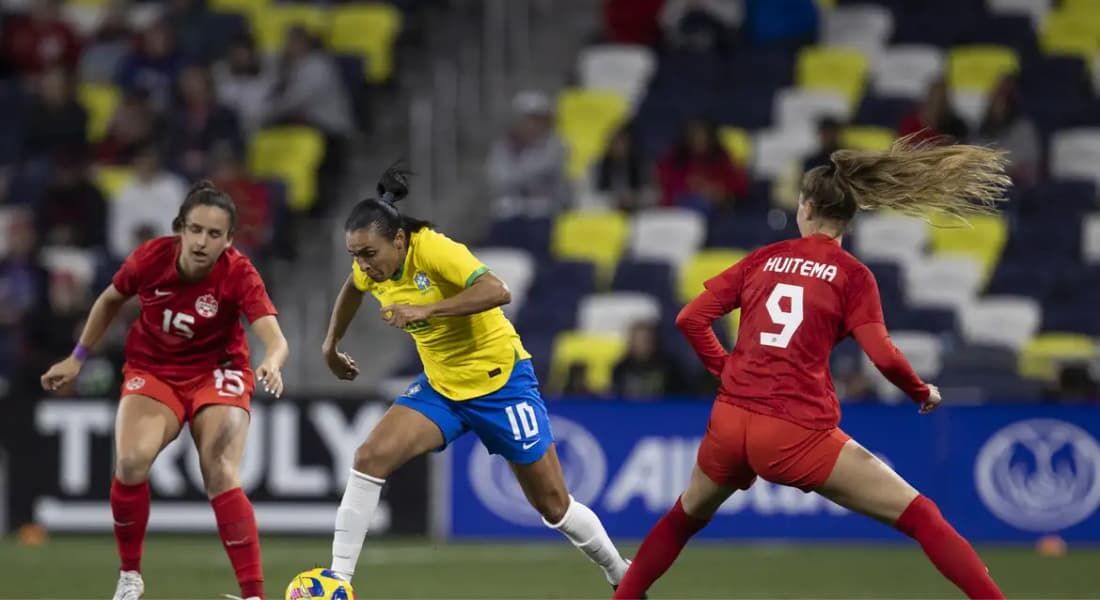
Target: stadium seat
[[77, 262], [368, 30], [1008, 321], [983, 240], [738, 144], [701, 267], [796, 108], [586, 120], [531, 234], [1042, 356], [271, 24], [515, 267], [867, 138], [1090, 239], [942, 281], [837, 70], [906, 71], [924, 352], [979, 67], [110, 179], [101, 101], [598, 237], [1070, 34], [248, 8], [884, 112], [865, 27], [1036, 10], [669, 234], [619, 68], [614, 313], [970, 106], [599, 354], [652, 278], [1075, 153], [889, 237], [292, 153], [980, 358], [1080, 7], [776, 149]]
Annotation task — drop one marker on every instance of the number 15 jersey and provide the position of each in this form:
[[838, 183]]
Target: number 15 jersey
[[798, 299], [188, 328]]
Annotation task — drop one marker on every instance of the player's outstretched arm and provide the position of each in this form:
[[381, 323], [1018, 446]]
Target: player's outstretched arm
[[103, 312], [695, 322], [276, 351], [886, 357], [347, 304]]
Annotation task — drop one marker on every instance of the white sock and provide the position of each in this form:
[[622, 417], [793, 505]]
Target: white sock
[[352, 518], [582, 527]]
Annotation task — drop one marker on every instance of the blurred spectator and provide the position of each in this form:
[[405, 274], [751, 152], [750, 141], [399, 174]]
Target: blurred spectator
[[700, 25], [255, 227], [109, 44], [22, 280], [1076, 384], [190, 23], [622, 173], [699, 174], [133, 125], [39, 39], [934, 116], [72, 212], [198, 123], [1005, 127], [145, 207], [243, 84], [56, 121], [632, 21], [782, 23], [576, 381], [154, 66], [646, 373], [527, 166], [828, 141], [308, 88]]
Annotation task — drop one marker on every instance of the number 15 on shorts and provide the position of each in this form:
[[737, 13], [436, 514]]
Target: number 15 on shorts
[[525, 425]]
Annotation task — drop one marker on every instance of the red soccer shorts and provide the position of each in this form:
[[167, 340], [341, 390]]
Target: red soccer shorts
[[741, 444], [186, 396]]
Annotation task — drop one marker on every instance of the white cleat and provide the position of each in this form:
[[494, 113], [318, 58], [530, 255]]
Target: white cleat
[[232, 597], [130, 586]]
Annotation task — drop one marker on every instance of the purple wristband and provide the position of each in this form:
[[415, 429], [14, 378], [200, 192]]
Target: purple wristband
[[81, 352]]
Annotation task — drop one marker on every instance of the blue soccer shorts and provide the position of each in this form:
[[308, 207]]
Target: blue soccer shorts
[[511, 421]]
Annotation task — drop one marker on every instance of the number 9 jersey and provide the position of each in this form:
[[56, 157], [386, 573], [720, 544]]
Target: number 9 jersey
[[189, 329], [798, 299]]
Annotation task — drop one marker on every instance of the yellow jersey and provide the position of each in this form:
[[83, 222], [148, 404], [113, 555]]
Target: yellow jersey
[[464, 357]]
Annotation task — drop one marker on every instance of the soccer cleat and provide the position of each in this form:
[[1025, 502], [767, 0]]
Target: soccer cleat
[[130, 586], [232, 597]]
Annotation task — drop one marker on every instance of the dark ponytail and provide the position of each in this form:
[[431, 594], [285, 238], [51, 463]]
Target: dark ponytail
[[205, 193], [382, 212]]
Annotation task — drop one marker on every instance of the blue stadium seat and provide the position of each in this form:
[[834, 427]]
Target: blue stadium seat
[[979, 358], [1013, 31], [747, 107], [11, 120], [765, 69], [883, 112], [889, 278], [650, 277], [1054, 76], [1058, 201], [1078, 315], [986, 386], [532, 235], [933, 320], [1022, 278]]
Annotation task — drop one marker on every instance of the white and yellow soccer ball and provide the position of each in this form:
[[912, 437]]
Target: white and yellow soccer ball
[[319, 584]]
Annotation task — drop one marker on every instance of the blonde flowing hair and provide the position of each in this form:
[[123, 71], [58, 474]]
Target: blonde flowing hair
[[922, 179]]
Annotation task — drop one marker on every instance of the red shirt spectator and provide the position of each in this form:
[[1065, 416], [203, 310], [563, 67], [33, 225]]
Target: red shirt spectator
[[255, 228], [632, 21], [40, 39], [933, 117], [699, 172]]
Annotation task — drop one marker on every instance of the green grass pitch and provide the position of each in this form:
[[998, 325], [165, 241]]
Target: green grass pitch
[[179, 567]]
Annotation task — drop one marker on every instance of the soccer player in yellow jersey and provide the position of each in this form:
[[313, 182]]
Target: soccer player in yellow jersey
[[477, 375]]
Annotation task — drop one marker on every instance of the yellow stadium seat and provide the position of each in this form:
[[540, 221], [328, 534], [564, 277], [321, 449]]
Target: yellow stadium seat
[[248, 8], [1080, 7], [110, 179], [292, 153], [586, 120], [979, 67], [867, 138], [598, 352], [598, 237], [271, 25], [738, 144], [701, 267], [1041, 357], [840, 70], [984, 239], [101, 102], [367, 30], [1071, 34]]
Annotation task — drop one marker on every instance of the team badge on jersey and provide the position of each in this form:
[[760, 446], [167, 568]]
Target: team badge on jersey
[[135, 383], [207, 306], [422, 282]]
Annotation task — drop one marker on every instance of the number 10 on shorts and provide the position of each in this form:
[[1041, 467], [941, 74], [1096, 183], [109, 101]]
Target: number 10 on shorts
[[522, 415]]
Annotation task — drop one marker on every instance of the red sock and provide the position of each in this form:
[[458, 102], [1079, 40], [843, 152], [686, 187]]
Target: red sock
[[237, 528], [659, 550], [949, 552], [130, 511]]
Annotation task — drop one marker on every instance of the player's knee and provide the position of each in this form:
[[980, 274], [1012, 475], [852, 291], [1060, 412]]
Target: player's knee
[[219, 474], [552, 505], [132, 466], [375, 459]]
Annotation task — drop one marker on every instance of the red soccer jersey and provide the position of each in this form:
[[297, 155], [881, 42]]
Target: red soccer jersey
[[798, 298], [186, 328]]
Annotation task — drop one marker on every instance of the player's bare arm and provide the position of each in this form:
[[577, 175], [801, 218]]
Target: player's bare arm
[[488, 292], [276, 351], [103, 312], [347, 304]]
